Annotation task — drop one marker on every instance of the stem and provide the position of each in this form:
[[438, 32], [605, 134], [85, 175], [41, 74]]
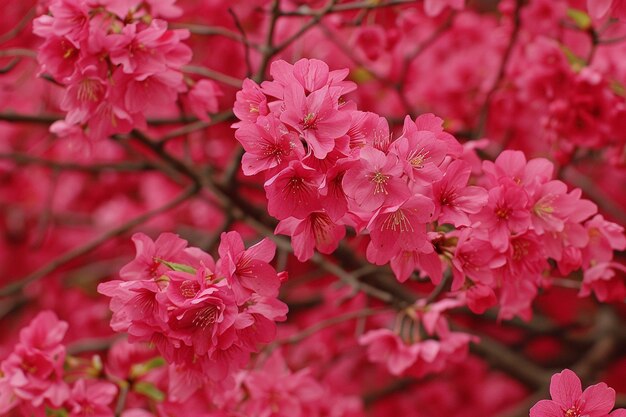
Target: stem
[[18, 286]]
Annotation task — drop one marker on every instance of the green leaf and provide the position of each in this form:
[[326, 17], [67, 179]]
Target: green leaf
[[361, 75], [56, 412], [618, 88], [149, 390], [577, 63], [580, 18], [178, 267], [141, 369]]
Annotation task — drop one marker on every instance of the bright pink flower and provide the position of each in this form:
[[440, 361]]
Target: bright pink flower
[[474, 258], [604, 238], [149, 50], [87, 89], [145, 93], [167, 247], [428, 122], [247, 270], [202, 99], [256, 322], [363, 127], [33, 373], [268, 144], [316, 117], [568, 399], [605, 280], [204, 322], [386, 347], [400, 228], [375, 181], [479, 298], [309, 74], [276, 391], [552, 206], [421, 153], [506, 213], [92, 399], [513, 165], [59, 57], [293, 192], [332, 195], [317, 230], [250, 103], [406, 262], [454, 199]]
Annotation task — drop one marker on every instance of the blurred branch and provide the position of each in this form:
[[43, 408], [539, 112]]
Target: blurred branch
[[18, 286], [214, 75], [347, 7], [19, 26], [483, 115], [26, 159], [204, 30]]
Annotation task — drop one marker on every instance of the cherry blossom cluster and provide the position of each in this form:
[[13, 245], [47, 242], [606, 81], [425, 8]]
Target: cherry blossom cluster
[[34, 378], [204, 316], [583, 107], [327, 166], [117, 60]]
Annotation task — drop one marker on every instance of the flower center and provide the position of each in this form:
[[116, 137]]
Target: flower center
[[309, 121], [189, 289], [206, 316], [573, 412], [380, 181]]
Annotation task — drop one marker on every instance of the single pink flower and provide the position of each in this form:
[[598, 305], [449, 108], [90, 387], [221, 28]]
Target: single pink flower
[[386, 347], [506, 213], [568, 399], [421, 153], [317, 230], [293, 192], [92, 398], [202, 99], [375, 181], [400, 228], [316, 117], [268, 144], [454, 199], [250, 103], [247, 270]]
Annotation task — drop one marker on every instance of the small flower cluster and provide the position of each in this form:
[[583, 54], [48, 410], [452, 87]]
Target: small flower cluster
[[328, 166], [205, 316], [116, 59], [580, 107], [33, 377], [410, 353]]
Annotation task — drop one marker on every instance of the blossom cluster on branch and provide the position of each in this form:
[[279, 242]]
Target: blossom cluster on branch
[[337, 208]]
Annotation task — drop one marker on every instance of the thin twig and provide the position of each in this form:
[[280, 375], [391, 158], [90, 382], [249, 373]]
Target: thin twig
[[214, 75], [483, 115], [17, 286]]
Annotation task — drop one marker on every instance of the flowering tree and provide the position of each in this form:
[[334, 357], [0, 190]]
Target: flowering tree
[[321, 208]]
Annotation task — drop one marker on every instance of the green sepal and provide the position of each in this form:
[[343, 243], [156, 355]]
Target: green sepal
[[149, 390], [178, 267], [140, 369], [580, 18]]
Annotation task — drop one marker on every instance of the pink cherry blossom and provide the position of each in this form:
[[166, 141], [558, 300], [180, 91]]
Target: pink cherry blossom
[[568, 398], [268, 144], [316, 117], [375, 181]]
